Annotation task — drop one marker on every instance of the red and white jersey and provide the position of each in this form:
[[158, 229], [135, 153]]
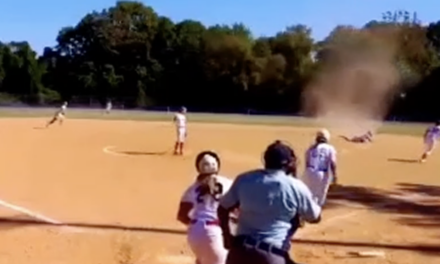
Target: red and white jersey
[[180, 120], [205, 207], [320, 156]]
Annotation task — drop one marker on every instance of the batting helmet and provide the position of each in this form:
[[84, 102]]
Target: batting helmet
[[183, 109], [279, 155], [207, 162], [323, 135]]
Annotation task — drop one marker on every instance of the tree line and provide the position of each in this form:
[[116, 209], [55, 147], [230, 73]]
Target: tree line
[[137, 58]]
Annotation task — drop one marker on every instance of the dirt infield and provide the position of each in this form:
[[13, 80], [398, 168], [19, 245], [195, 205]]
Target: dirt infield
[[118, 186]]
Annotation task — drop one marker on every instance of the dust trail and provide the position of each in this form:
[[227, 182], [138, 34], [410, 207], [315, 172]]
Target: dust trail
[[354, 88]]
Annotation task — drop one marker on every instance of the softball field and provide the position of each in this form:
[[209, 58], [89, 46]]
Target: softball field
[[106, 191]]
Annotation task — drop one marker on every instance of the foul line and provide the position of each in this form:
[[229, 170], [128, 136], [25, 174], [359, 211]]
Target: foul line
[[30, 213], [39, 217]]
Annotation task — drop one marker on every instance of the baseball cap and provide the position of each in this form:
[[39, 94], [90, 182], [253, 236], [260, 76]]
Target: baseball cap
[[278, 154]]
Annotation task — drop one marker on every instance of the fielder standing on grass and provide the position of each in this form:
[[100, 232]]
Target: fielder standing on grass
[[271, 202], [432, 134], [59, 115], [180, 123], [320, 171], [108, 107], [202, 198]]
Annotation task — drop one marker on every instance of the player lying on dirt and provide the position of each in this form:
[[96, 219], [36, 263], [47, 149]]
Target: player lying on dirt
[[365, 138]]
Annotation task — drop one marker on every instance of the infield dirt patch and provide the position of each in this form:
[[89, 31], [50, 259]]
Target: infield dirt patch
[[119, 185]]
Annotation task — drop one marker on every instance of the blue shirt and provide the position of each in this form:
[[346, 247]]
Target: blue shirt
[[268, 200]]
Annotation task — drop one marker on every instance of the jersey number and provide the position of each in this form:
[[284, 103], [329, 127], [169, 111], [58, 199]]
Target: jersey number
[[216, 195], [317, 157]]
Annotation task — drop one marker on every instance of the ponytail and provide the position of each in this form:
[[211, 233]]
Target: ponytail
[[207, 185]]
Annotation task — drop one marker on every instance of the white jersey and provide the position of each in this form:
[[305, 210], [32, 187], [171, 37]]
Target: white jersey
[[320, 156], [180, 120], [62, 110], [205, 207], [433, 133]]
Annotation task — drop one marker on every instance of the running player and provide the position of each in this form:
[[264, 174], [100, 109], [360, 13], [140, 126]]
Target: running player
[[59, 115], [320, 170], [430, 138], [202, 199]]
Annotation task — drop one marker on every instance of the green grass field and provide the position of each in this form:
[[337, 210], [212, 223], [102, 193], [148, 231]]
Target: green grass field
[[415, 129]]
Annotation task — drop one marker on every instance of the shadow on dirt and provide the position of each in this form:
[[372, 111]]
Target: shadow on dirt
[[427, 249], [432, 219], [143, 153], [403, 160], [416, 204], [16, 221], [422, 189], [19, 221]]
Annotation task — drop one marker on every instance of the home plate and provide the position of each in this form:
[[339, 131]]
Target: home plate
[[175, 259]]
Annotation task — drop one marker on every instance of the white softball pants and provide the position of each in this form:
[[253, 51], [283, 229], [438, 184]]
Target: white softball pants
[[181, 134], [206, 242], [318, 183], [430, 144]]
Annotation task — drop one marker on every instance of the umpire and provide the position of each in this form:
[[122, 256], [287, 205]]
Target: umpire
[[270, 201]]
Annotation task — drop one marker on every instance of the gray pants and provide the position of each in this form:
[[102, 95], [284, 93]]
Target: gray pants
[[242, 253]]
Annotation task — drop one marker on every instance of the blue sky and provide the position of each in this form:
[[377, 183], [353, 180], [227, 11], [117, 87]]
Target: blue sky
[[39, 21]]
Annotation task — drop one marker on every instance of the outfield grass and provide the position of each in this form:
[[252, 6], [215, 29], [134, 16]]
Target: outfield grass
[[388, 127]]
